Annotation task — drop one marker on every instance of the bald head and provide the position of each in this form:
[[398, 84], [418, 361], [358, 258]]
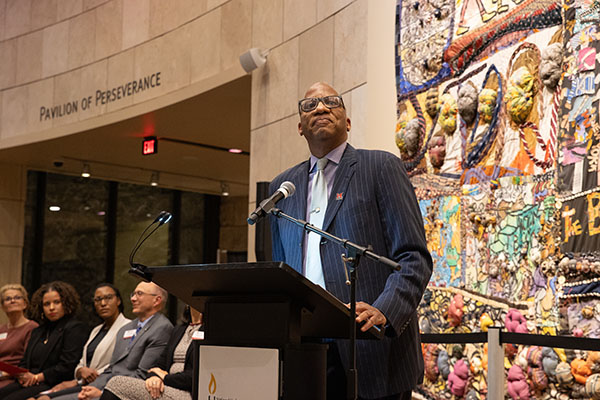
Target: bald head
[[318, 86], [147, 299]]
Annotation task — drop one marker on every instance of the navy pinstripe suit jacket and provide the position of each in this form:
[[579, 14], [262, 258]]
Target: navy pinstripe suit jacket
[[372, 202]]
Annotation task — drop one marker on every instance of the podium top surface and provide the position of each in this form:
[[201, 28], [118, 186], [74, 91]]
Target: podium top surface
[[196, 284]]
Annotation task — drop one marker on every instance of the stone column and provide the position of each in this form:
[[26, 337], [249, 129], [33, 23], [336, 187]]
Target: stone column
[[13, 183]]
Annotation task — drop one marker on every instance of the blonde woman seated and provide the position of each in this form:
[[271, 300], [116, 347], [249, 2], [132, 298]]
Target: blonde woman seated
[[171, 379], [15, 334], [100, 345]]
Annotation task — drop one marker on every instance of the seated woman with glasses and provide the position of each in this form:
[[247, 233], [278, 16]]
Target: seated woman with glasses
[[15, 334], [171, 378], [55, 346], [100, 344]]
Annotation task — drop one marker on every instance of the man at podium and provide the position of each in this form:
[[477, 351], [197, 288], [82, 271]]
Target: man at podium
[[363, 196]]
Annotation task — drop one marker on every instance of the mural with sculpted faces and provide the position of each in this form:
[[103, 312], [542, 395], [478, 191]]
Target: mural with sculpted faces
[[497, 125]]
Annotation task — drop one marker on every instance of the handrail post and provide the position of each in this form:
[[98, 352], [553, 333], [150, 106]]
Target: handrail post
[[495, 365]]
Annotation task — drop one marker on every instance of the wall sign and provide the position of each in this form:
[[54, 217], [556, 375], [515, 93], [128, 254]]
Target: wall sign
[[101, 97]]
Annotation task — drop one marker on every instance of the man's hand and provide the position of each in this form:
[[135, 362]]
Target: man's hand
[[88, 375], [369, 314], [155, 386], [89, 393]]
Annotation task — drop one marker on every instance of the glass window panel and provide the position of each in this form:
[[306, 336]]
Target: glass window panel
[[75, 237], [191, 249], [29, 250], [137, 207]]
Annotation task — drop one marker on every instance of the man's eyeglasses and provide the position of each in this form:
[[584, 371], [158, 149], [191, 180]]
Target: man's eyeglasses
[[139, 293], [8, 299], [310, 103], [108, 297]]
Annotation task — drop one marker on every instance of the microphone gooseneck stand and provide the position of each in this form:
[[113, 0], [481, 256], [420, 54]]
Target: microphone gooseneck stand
[[351, 261], [140, 270]]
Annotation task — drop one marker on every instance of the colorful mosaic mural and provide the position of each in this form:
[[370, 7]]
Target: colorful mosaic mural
[[497, 124]]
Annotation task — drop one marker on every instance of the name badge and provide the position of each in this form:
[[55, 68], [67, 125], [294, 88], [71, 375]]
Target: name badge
[[3, 335], [198, 335], [129, 334]]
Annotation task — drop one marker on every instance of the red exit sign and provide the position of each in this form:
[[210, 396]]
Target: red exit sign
[[150, 145]]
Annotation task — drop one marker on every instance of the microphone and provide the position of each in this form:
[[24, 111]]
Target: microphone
[[286, 189], [166, 217], [159, 217], [162, 218]]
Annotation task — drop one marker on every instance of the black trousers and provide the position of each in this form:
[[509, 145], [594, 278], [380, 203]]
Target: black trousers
[[15, 391], [336, 378], [108, 395]]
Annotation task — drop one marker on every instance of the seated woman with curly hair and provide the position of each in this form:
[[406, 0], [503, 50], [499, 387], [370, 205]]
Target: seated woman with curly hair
[[54, 347]]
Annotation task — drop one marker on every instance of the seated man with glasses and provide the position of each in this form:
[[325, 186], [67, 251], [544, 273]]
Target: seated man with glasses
[[139, 343]]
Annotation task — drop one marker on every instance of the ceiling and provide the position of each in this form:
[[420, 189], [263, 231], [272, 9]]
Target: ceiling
[[217, 118]]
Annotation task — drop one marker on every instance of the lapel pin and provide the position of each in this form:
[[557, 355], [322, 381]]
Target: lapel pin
[[339, 196]]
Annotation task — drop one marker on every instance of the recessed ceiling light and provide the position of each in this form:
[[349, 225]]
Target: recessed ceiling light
[[54, 208], [224, 189], [85, 172], [154, 179]]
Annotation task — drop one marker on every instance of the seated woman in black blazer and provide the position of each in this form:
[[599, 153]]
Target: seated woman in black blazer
[[172, 377], [55, 346]]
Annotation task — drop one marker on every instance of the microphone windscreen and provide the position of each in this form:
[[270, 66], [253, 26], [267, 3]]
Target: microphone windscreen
[[288, 188], [167, 217], [160, 216]]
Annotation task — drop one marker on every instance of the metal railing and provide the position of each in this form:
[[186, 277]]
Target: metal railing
[[495, 338]]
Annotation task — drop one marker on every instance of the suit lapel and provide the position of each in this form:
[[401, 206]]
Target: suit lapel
[[297, 207], [36, 337], [123, 345], [343, 175], [142, 331]]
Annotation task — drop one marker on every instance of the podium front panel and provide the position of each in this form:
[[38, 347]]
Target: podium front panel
[[238, 373]]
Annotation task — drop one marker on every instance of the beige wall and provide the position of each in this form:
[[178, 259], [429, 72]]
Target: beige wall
[[56, 51], [347, 43], [12, 215], [381, 96]]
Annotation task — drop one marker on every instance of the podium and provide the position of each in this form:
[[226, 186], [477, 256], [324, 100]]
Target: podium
[[264, 305]]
